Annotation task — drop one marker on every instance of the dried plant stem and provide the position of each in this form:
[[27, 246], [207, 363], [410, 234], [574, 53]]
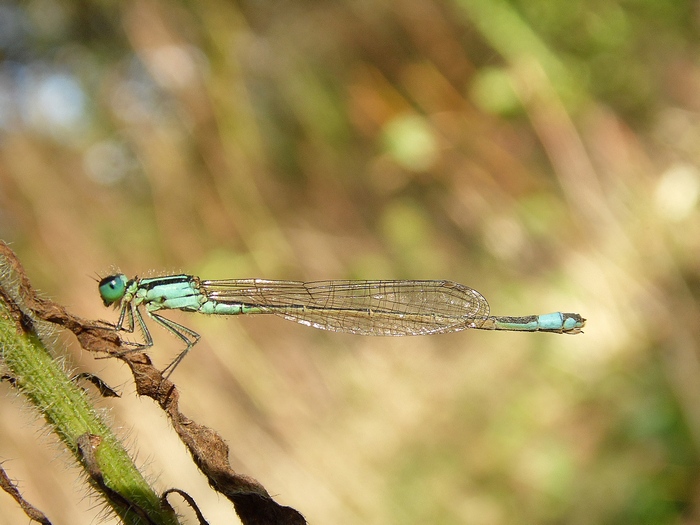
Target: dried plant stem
[[209, 451], [67, 409]]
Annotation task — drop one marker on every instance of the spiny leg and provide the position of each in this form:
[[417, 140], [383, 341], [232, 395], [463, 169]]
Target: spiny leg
[[182, 332], [127, 324], [135, 314]]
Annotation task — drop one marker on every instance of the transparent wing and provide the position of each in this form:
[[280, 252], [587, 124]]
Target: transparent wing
[[360, 307]]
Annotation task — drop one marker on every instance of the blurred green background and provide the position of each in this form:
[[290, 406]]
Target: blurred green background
[[544, 153]]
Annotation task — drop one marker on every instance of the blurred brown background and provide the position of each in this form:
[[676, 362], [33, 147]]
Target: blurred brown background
[[544, 153]]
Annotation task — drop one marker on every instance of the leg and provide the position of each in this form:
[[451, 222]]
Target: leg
[[129, 313], [190, 337], [127, 324]]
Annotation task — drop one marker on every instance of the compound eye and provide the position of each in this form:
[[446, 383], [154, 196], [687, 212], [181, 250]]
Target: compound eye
[[112, 288]]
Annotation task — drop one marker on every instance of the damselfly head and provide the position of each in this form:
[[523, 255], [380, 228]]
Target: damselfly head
[[112, 288]]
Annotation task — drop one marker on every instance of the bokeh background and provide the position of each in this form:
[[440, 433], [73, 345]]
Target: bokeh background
[[544, 153]]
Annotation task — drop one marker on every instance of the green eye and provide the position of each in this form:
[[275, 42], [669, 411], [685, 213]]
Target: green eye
[[112, 288]]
